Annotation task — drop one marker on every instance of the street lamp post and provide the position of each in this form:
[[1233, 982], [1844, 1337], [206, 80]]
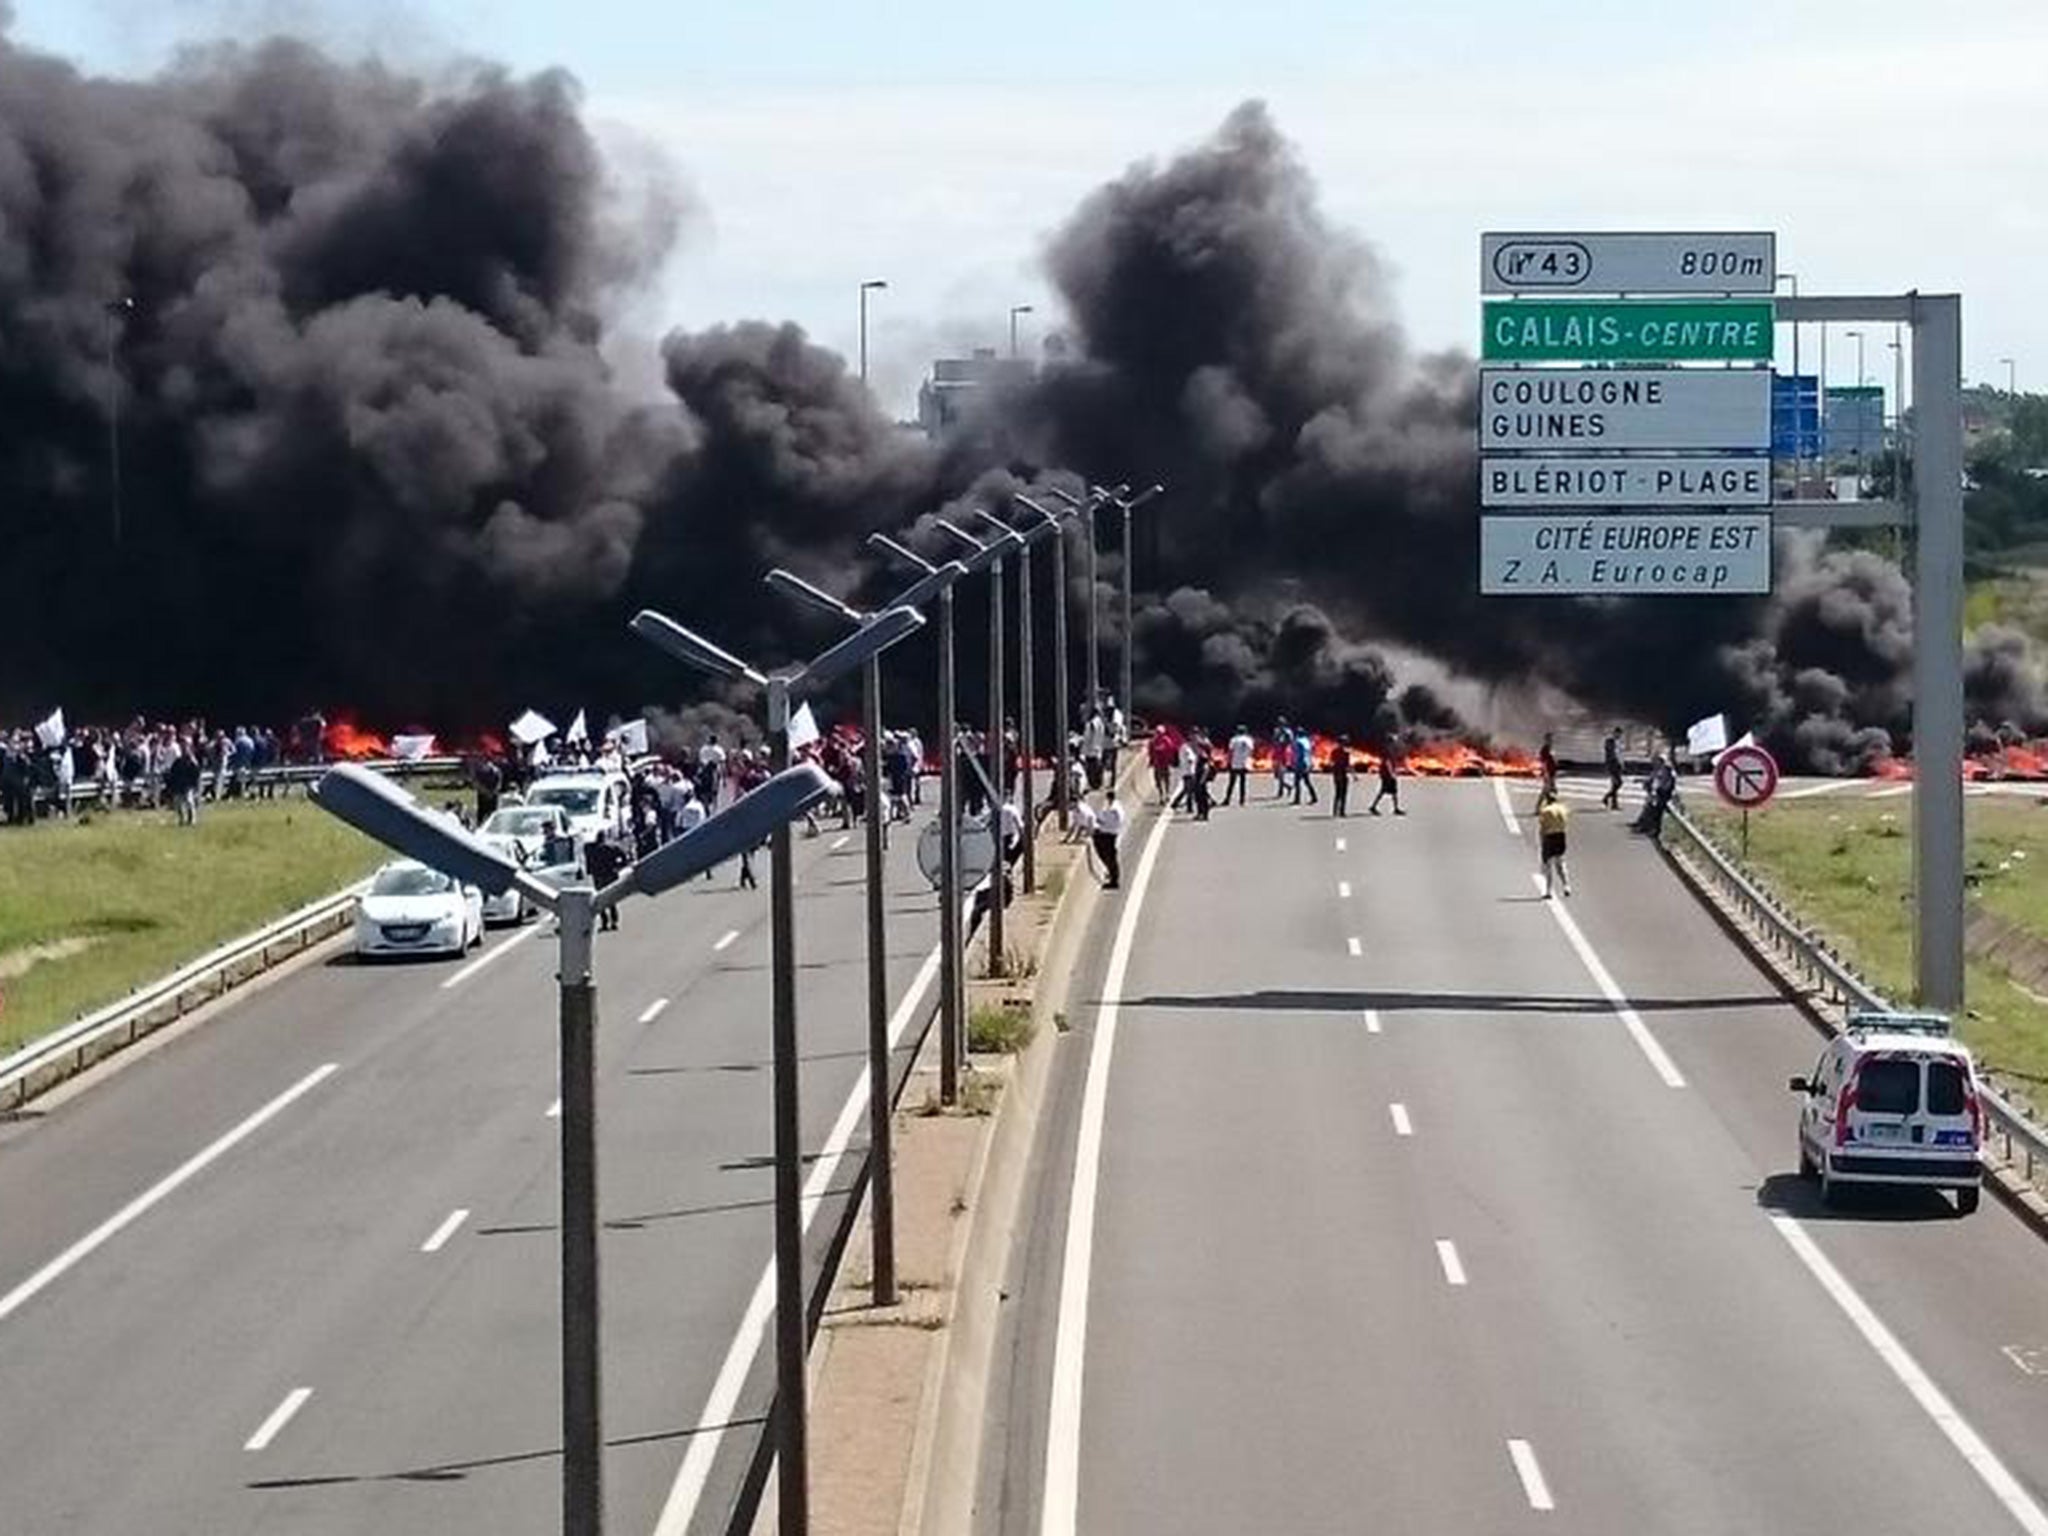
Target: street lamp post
[[1015, 311], [1027, 712], [1129, 507], [1861, 414], [952, 986], [1054, 523], [791, 1387], [377, 807], [881, 1174], [1085, 512], [870, 286], [2012, 391], [1798, 415]]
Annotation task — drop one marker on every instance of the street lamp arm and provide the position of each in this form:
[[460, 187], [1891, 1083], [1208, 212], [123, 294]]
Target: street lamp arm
[[874, 636], [902, 552], [1072, 501], [665, 634], [929, 585], [379, 809], [793, 586], [1006, 535]]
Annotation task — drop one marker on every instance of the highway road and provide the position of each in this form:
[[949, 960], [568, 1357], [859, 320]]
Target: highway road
[[1376, 1193], [296, 1270]]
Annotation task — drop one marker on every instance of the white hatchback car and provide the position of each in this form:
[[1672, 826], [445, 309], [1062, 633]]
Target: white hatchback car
[[1893, 1100], [410, 909]]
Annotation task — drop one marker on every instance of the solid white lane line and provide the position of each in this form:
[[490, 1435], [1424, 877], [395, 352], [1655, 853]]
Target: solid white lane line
[[1341, 845], [554, 1110], [1507, 807], [1399, 1114], [680, 1507], [1890, 794], [1933, 1401], [1637, 1029], [1524, 1458], [1447, 1255], [1343, 890], [1059, 1507], [1372, 1021], [726, 941], [445, 1231], [489, 955], [1354, 946], [653, 1010], [280, 1416], [1803, 791], [185, 1171], [840, 842]]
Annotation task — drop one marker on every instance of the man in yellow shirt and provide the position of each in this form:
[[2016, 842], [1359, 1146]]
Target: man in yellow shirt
[[1551, 817]]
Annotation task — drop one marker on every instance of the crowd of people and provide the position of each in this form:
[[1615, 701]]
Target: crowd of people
[[49, 769]]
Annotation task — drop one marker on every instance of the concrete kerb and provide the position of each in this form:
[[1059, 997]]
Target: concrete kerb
[[2024, 1199]]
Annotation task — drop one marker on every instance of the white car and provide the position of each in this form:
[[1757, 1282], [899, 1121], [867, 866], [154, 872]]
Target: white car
[[1894, 1101], [410, 909], [509, 905], [598, 803], [529, 826]]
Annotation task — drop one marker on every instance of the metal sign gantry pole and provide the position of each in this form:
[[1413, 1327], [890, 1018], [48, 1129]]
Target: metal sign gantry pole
[[1934, 511]]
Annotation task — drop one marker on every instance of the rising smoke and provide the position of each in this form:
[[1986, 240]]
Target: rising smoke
[[345, 328]]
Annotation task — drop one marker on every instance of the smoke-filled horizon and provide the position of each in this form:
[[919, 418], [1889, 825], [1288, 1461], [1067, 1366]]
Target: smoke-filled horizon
[[346, 326]]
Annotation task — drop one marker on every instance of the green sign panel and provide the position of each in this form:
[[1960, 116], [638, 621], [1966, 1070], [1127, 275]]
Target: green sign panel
[[1566, 330]]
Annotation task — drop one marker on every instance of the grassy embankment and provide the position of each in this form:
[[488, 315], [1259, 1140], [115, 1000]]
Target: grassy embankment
[[91, 909], [1845, 865]]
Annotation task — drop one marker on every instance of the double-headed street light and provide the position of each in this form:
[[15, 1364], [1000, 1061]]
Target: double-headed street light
[[1129, 506], [872, 637], [1052, 522], [375, 806], [989, 555], [881, 1177], [1027, 705], [1084, 513], [1015, 311]]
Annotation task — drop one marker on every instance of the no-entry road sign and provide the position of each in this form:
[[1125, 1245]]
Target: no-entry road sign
[[1745, 776]]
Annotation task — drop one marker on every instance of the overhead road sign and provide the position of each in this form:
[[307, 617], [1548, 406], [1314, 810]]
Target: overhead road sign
[[1745, 776], [1618, 554], [1633, 480], [1626, 331], [1580, 408], [1795, 416], [1628, 262]]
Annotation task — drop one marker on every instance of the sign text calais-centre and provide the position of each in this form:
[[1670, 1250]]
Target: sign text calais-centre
[[1626, 331]]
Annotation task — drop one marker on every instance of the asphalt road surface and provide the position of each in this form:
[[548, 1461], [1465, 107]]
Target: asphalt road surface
[[296, 1270], [1376, 1193]]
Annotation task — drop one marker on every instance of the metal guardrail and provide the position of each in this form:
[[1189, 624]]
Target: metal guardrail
[[86, 791], [2025, 1143], [66, 1052]]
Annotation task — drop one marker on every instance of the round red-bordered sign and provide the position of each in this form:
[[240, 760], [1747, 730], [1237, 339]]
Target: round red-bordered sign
[[1745, 776]]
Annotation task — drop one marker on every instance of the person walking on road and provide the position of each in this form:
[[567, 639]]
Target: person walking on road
[[1304, 759], [1612, 753], [1390, 785], [1109, 826], [1240, 766], [1546, 758], [603, 858], [1340, 777], [1551, 819]]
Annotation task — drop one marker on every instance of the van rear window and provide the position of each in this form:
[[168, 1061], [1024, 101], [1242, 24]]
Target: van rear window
[[1944, 1088], [1888, 1086]]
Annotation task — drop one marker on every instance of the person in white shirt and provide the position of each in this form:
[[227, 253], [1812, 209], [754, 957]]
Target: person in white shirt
[[1081, 824], [1109, 826], [1240, 766], [1094, 740], [1013, 832], [915, 750], [1185, 800]]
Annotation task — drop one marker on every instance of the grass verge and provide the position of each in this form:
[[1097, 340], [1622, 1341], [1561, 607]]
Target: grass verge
[[92, 908], [1846, 867], [998, 1031]]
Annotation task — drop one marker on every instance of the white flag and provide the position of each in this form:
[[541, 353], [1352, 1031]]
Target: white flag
[[51, 732], [578, 729], [531, 727], [410, 749], [803, 728], [631, 737], [1704, 738]]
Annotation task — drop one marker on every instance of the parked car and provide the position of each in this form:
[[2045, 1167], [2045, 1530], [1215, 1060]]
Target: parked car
[[1893, 1100], [532, 827], [597, 802], [410, 909], [509, 905]]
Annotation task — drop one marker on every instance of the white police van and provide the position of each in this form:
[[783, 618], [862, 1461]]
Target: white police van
[[1893, 1101]]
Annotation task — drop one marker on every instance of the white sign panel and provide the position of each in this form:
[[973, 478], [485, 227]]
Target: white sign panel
[[1582, 409], [1610, 554], [1628, 263], [1650, 480]]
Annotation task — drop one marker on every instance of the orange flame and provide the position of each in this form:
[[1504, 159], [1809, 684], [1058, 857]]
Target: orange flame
[[344, 738]]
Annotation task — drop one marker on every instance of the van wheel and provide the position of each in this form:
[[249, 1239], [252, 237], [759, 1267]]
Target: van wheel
[[1966, 1200], [1806, 1168]]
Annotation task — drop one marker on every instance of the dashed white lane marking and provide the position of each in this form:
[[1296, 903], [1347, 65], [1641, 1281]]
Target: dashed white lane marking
[[1059, 1507], [1637, 1029], [489, 955], [444, 1231], [1354, 946], [726, 940], [1537, 1490], [1343, 890], [554, 1110], [1399, 1114], [1447, 1255], [1341, 845], [185, 1171], [1982, 1459], [679, 1509], [840, 842], [1372, 1021], [1507, 807], [280, 1416], [653, 1010]]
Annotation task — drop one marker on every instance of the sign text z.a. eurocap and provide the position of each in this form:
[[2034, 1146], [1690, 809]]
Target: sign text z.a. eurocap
[[1619, 554]]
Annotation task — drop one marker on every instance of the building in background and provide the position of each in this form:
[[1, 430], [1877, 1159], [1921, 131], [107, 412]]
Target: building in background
[[958, 384]]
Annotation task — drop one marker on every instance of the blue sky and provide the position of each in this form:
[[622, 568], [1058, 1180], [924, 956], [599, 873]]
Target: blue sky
[[1891, 145]]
